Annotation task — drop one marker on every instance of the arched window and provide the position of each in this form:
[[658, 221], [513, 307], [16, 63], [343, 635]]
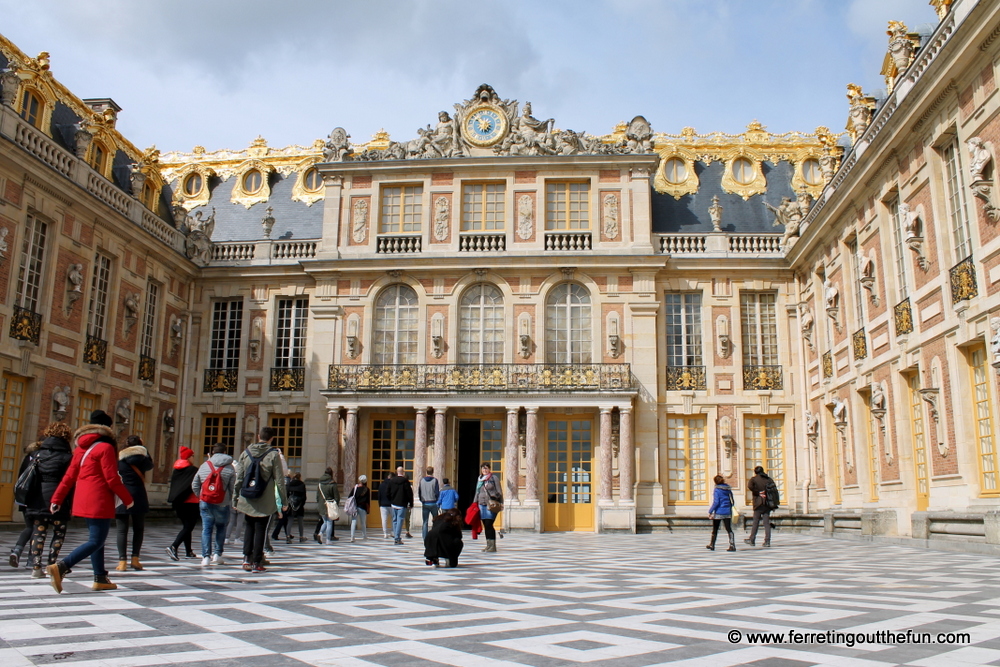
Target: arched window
[[568, 325], [193, 184], [253, 181], [99, 158], [31, 108], [396, 326], [480, 328]]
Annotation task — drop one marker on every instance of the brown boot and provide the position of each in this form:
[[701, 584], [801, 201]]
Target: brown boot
[[136, 565], [102, 583], [122, 565], [56, 573]]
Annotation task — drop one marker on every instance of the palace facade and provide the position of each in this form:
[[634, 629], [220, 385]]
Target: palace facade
[[608, 320]]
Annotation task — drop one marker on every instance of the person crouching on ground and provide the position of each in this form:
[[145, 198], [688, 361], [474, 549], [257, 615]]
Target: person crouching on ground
[[93, 477], [443, 544], [133, 464], [721, 511], [213, 484]]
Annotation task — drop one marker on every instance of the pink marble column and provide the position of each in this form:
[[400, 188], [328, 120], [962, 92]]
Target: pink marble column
[[333, 440], [420, 444], [531, 455], [351, 447], [605, 463], [626, 455], [510, 459], [440, 433]]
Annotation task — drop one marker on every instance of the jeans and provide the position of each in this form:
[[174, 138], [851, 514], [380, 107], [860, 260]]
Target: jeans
[[253, 539], [327, 529], [360, 518], [429, 510], [213, 516], [138, 531], [386, 519], [97, 533], [398, 514]]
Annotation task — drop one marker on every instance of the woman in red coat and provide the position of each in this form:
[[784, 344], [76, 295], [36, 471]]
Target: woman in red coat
[[94, 474]]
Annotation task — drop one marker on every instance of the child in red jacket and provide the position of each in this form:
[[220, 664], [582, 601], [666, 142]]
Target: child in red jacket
[[93, 472]]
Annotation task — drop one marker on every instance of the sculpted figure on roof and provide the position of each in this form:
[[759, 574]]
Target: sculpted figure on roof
[[338, 146]]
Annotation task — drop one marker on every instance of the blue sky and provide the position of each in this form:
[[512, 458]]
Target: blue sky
[[218, 73]]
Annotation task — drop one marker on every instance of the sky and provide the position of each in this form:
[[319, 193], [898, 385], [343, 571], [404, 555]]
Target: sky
[[218, 73]]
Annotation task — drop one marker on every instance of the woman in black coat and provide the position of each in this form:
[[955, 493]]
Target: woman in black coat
[[297, 494], [53, 456], [443, 544], [133, 464]]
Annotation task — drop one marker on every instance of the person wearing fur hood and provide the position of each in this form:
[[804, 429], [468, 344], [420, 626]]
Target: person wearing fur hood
[[93, 477], [133, 464], [52, 458]]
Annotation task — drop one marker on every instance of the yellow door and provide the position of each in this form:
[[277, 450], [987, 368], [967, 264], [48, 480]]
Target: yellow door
[[11, 414], [921, 464], [569, 498]]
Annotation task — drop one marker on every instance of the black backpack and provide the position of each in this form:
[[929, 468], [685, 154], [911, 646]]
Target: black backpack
[[254, 482], [772, 498], [27, 482]]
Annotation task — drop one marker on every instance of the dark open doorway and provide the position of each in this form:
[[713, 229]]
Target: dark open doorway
[[467, 470]]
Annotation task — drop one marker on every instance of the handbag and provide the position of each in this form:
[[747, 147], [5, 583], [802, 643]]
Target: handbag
[[494, 506], [332, 508], [736, 513]]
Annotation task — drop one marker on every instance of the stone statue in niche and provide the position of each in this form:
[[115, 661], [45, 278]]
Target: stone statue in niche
[[338, 146], [168, 421], [839, 411], [60, 402], [812, 425], [359, 226], [441, 212], [866, 266], [74, 276], [830, 293], [131, 304], [4, 248], [877, 401], [525, 217], [979, 158], [123, 411], [911, 225], [610, 215], [198, 245], [176, 333], [995, 341], [806, 326]]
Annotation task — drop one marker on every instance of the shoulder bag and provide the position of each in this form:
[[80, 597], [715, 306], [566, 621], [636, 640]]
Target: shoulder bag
[[332, 508]]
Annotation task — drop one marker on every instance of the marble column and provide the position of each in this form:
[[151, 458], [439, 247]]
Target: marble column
[[440, 433], [626, 455], [531, 455], [351, 446], [605, 463], [420, 444], [333, 441], [510, 459]]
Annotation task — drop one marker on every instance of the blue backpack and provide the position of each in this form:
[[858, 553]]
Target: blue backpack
[[254, 482]]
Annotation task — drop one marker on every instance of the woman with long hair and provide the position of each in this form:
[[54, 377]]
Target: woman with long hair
[[721, 511], [489, 497], [52, 458], [362, 501]]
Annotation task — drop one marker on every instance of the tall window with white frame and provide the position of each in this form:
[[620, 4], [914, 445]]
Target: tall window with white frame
[[568, 325], [147, 337], [764, 445], [898, 242], [396, 326], [481, 325], [95, 350], [957, 212], [223, 372], [685, 365], [759, 334], [26, 324], [288, 373], [989, 456]]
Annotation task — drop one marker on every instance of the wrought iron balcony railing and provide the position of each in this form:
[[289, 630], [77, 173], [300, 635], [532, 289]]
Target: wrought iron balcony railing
[[95, 351], [26, 325], [221, 379], [860, 344], [903, 317], [147, 368], [963, 281], [481, 378], [762, 378], [680, 378], [288, 379]]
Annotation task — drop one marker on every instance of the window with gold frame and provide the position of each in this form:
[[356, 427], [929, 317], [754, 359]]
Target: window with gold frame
[[218, 429], [764, 445], [985, 436], [483, 207], [99, 158], [31, 108], [289, 438], [687, 461], [85, 405], [12, 391], [567, 205], [402, 209]]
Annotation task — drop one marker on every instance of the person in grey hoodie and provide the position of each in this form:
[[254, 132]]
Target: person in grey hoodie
[[261, 505], [214, 504]]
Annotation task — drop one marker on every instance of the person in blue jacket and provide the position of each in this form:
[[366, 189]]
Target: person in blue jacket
[[721, 511], [448, 498]]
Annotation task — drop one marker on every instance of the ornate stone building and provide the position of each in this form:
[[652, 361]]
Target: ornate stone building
[[609, 320]]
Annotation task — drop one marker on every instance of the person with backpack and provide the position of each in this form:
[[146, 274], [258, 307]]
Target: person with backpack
[[213, 484], [184, 502], [765, 499], [52, 460], [360, 499], [721, 511], [296, 506], [93, 479], [428, 492], [133, 464], [259, 493], [25, 535]]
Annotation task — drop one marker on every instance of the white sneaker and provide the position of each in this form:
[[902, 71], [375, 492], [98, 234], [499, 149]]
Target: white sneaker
[[206, 561], [217, 560]]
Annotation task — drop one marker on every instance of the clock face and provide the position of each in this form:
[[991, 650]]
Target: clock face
[[484, 126]]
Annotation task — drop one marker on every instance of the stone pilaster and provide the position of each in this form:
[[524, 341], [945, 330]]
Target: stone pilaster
[[420, 446], [333, 441], [605, 461], [510, 459], [626, 456], [351, 446], [531, 456], [440, 433]]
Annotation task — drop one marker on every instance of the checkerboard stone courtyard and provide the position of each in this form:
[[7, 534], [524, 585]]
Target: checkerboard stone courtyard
[[553, 599]]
